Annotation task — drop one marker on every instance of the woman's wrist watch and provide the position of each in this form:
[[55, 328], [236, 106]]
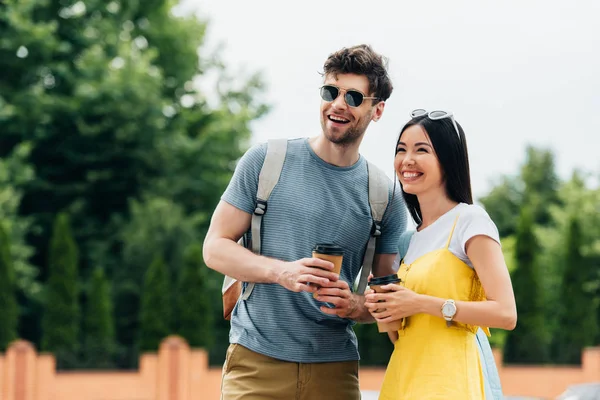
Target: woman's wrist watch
[[448, 311]]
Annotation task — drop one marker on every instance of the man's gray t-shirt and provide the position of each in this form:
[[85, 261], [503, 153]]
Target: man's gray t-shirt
[[313, 202]]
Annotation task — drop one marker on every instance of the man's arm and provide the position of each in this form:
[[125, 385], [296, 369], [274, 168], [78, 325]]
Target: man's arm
[[222, 253], [351, 305], [383, 264]]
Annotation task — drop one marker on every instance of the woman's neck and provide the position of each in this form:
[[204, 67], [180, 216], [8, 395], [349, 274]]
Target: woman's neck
[[434, 206]]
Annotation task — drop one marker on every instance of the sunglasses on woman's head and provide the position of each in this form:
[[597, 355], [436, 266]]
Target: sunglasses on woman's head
[[353, 97], [435, 116]]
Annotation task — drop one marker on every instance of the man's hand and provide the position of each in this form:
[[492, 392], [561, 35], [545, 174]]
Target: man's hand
[[297, 275], [337, 293], [346, 304]]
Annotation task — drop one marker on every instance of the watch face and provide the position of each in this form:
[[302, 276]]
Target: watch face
[[449, 309]]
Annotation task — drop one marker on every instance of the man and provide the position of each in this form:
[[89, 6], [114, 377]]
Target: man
[[285, 344]]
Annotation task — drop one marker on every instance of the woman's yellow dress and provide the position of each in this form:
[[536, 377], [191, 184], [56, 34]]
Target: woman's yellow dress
[[432, 361]]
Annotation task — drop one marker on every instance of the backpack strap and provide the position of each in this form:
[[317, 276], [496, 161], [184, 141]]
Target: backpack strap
[[268, 178], [378, 201]]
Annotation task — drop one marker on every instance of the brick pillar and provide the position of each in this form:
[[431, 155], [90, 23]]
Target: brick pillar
[[19, 372], [199, 379], [173, 369], [590, 363], [148, 370], [2, 394], [45, 378]]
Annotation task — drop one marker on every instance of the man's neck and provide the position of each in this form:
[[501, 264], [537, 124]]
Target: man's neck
[[335, 154]]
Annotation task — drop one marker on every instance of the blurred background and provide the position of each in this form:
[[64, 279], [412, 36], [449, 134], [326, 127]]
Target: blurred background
[[121, 123]]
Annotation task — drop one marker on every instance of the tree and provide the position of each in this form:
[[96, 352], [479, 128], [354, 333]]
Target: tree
[[61, 311], [15, 174], [99, 323], [8, 300], [578, 308], [193, 301], [106, 95], [528, 343], [536, 186], [540, 184], [503, 203], [577, 197], [118, 101], [156, 309], [159, 224]]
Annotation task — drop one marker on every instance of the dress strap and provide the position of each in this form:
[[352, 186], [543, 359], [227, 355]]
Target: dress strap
[[452, 231]]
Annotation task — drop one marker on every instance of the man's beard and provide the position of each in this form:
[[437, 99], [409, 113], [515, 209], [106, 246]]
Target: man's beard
[[349, 137]]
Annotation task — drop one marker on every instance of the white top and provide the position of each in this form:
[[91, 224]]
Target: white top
[[472, 221]]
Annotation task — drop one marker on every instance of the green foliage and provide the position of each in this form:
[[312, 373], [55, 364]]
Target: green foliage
[[503, 204], [528, 343], [540, 184], [8, 300], [108, 96], [15, 174], [156, 308], [498, 338], [220, 327], [61, 311], [99, 325], [158, 224], [554, 204], [375, 348], [123, 113], [577, 314], [193, 302], [536, 186]]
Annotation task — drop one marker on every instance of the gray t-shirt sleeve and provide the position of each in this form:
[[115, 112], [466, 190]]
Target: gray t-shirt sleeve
[[241, 191], [393, 224]]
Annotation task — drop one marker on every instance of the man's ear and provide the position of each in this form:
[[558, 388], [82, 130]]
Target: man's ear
[[378, 111]]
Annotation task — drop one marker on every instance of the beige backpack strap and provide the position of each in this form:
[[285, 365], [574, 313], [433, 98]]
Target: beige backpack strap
[[378, 201], [268, 178]]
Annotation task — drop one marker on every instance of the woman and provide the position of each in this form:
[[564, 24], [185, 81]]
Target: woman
[[454, 278]]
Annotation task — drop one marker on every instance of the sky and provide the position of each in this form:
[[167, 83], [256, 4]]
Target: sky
[[514, 73]]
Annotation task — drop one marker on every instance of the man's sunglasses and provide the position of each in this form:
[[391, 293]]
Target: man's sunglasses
[[435, 116], [353, 97]]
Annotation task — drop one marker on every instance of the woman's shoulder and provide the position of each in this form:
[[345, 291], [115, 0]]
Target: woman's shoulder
[[468, 212], [474, 220]]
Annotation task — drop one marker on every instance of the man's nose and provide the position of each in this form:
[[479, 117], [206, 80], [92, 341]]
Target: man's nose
[[340, 101]]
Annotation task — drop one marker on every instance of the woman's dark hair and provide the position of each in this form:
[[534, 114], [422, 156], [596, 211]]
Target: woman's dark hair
[[453, 157]]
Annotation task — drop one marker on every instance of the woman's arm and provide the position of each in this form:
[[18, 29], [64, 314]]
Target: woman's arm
[[499, 311]]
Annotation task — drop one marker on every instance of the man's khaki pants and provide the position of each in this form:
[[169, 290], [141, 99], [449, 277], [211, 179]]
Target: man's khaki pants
[[251, 376]]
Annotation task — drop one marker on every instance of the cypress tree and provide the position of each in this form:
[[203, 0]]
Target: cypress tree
[[193, 302], [99, 323], [577, 315], [155, 311], [60, 323], [527, 344], [8, 301]]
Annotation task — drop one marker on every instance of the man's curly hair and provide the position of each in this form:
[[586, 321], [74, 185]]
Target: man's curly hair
[[362, 60]]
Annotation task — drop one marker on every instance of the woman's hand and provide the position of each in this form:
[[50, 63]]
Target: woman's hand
[[399, 302]]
